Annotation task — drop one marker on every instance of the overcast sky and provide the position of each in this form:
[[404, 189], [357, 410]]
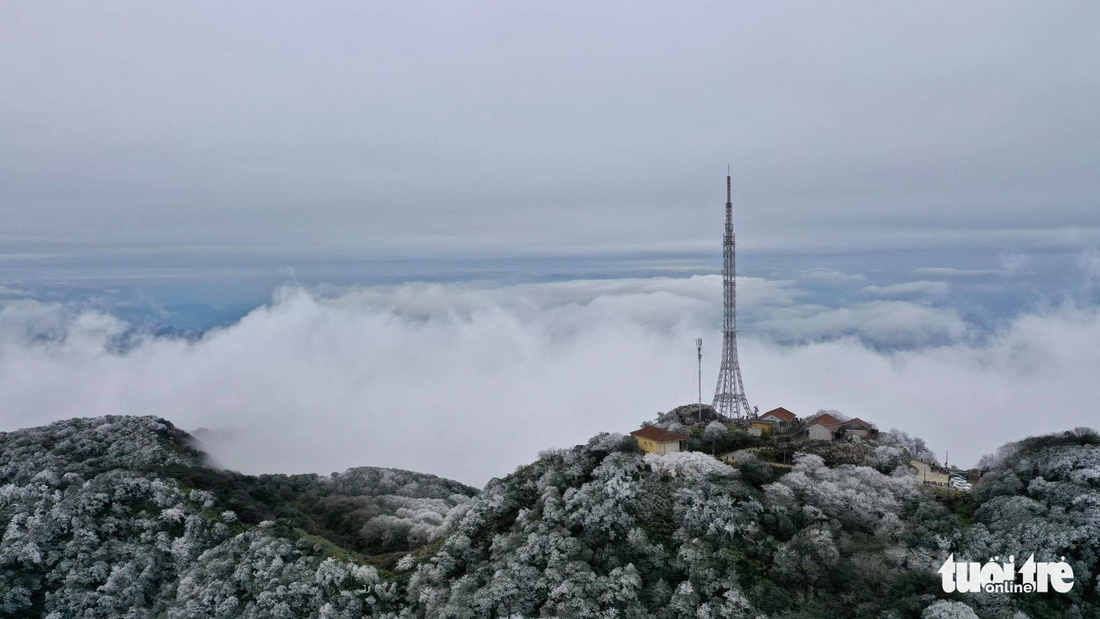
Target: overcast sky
[[914, 182], [449, 128]]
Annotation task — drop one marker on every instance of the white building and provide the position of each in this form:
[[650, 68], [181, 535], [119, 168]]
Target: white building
[[822, 428]]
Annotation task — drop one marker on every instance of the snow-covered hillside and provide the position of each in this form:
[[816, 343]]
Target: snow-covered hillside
[[122, 517]]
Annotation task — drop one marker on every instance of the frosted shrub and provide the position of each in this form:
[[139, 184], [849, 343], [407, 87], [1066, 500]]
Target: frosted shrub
[[689, 464]]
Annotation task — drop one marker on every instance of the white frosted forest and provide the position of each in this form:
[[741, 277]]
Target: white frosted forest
[[122, 517]]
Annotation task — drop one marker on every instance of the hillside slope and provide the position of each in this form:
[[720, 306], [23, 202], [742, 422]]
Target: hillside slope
[[601, 531], [121, 517]]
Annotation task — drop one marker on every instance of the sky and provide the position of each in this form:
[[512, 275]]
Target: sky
[[381, 225], [417, 129]]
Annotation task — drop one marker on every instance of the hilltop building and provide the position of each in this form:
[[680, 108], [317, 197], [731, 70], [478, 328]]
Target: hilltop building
[[780, 418], [762, 428], [822, 427], [659, 441], [858, 427], [826, 427]]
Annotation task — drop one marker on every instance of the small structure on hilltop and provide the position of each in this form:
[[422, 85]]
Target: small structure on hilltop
[[759, 427], [780, 419], [823, 427], [659, 441], [828, 427], [858, 428]]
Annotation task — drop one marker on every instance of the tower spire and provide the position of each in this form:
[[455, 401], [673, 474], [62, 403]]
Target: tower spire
[[699, 350], [729, 395]]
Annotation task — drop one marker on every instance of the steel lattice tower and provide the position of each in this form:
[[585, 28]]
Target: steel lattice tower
[[729, 395]]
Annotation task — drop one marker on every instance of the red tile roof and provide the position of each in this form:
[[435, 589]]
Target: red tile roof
[[654, 433], [781, 413], [858, 422], [826, 420]]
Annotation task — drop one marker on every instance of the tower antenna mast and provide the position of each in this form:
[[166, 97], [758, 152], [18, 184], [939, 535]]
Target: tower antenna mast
[[699, 350], [729, 395]]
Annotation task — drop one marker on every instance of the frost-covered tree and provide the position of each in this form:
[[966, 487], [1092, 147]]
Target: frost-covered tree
[[678, 428], [947, 609], [122, 517], [715, 431], [98, 521], [913, 445], [690, 464]]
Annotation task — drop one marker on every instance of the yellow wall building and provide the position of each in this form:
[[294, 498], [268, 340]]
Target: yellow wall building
[[764, 427], [654, 440]]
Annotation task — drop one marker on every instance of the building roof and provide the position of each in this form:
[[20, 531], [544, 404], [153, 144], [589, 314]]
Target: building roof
[[827, 420], [660, 435], [858, 422], [781, 413]]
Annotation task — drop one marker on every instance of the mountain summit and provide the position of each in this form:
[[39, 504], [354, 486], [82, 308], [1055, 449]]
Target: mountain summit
[[122, 517]]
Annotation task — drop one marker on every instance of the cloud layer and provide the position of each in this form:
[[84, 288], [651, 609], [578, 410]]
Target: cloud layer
[[210, 128], [469, 382], [908, 289]]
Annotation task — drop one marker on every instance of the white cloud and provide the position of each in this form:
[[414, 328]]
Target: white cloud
[[953, 272], [469, 382], [878, 323], [908, 289], [1013, 263], [830, 277], [1089, 262], [1038, 376]]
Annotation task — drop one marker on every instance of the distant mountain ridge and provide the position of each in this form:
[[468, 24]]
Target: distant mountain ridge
[[123, 517]]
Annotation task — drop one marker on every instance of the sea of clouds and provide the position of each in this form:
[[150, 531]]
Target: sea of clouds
[[469, 381]]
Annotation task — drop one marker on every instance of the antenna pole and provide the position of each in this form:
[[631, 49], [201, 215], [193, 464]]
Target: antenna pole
[[699, 350]]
